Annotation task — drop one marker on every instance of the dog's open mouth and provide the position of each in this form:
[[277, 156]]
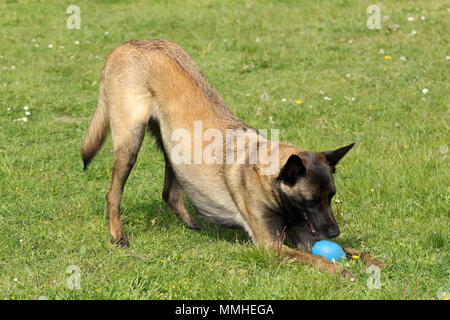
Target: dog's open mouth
[[311, 227]]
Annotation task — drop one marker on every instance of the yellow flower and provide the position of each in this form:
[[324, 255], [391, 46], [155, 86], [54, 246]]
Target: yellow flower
[[388, 57], [446, 298], [355, 257], [298, 101]]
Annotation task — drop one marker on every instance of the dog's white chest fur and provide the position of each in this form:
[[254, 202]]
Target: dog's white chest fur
[[211, 198]]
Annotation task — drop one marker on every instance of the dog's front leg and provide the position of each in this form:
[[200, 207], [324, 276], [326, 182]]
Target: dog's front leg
[[365, 256], [316, 261], [269, 233]]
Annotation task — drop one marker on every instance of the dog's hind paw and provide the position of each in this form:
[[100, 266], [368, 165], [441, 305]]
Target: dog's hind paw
[[122, 242]]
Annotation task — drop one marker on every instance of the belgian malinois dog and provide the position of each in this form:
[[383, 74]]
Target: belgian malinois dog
[[155, 84]]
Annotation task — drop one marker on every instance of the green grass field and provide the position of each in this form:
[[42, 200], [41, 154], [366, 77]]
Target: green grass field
[[354, 84]]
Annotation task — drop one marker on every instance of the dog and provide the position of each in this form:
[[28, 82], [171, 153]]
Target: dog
[[155, 84]]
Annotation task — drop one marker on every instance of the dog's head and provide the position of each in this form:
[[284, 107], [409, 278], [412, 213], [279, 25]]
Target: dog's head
[[305, 187]]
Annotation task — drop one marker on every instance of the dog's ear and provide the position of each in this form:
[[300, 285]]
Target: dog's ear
[[292, 170], [334, 156]]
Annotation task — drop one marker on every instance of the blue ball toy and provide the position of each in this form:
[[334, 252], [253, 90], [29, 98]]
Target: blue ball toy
[[329, 250]]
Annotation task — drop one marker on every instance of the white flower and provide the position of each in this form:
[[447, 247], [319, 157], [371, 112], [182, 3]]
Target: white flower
[[422, 18], [402, 58], [15, 279], [50, 46], [348, 75], [8, 109], [26, 108], [381, 51], [410, 18], [425, 91], [413, 33], [24, 119], [33, 40], [13, 67], [351, 99], [36, 44], [106, 33], [447, 57], [350, 41], [264, 96], [77, 42], [443, 149], [258, 40], [27, 113], [327, 98], [284, 100]]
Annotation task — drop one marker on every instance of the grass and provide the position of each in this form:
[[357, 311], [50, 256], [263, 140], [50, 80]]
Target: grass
[[394, 186]]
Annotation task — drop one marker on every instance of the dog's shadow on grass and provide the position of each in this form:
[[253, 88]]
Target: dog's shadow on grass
[[143, 216]]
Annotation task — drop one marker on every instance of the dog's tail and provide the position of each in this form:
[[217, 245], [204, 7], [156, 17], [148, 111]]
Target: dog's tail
[[97, 129]]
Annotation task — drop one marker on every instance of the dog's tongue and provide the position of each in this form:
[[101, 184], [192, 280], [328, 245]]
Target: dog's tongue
[[313, 229], [311, 226]]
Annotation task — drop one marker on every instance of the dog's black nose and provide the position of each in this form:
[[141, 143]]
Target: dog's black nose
[[332, 231]]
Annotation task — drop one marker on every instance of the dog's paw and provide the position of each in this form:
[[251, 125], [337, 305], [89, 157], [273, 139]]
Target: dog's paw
[[194, 226], [122, 242], [356, 254], [347, 274]]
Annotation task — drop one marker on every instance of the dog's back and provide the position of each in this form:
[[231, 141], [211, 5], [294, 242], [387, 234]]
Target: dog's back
[[158, 79]]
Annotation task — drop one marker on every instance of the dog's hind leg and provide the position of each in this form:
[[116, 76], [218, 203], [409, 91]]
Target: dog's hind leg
[[129, 116], [125, 153], [173, 196]]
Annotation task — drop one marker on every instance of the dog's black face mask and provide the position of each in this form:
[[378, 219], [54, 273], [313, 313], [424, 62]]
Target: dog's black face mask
[[306, 187]]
